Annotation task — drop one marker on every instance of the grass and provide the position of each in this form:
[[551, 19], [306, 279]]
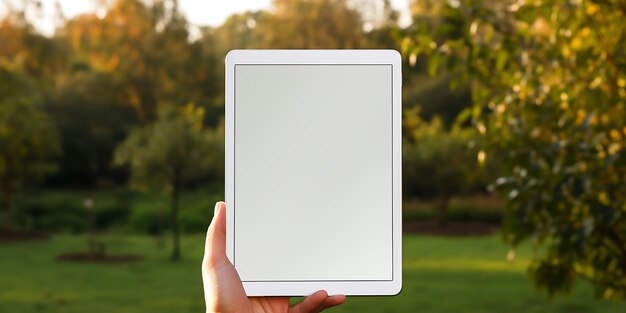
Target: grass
[[440, 275]]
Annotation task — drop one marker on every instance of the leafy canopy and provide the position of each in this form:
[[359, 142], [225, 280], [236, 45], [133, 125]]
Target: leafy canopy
[[28, 138], [177, 147], [549, 94], [446, 156]]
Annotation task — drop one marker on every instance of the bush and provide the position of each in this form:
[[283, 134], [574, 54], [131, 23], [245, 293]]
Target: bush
[[151, 214], [440, 163], [149, 220], [52, 214], [63, 212], [476, 208]]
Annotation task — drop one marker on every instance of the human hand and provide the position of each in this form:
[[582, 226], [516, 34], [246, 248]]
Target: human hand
[[223, 290]]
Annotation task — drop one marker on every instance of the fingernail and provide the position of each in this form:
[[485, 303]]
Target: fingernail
[[217, 208]]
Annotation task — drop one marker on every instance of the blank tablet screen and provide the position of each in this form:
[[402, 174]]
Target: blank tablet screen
[[313, 172]]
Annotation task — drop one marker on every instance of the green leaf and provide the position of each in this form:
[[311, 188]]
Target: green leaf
[[501, 59], [433, 63]]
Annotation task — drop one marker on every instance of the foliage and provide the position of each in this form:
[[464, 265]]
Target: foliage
[[315, 24], [434, 96], [438, 162], [28, 138], [144, 47], [420, 86], [40, 57], [312, 24], [88, 108], [117, 210], [549, 91], [173, 150], [149, 212], [103, 72], [483, 209], [66, 212]]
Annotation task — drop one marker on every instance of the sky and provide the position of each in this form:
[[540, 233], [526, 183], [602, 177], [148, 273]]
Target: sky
[[198, 12]]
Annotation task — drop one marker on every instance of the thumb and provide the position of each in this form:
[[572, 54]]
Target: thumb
[[215, 246]]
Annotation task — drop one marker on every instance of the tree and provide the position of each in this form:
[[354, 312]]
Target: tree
[[88, 108], [40, 57], [175, 148], [145, 47], [314, 24], [549, 94], [28, 138], [438, 163], [127, 59]]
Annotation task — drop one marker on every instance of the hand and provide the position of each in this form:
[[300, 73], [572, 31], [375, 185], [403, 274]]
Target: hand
[[223, 290]]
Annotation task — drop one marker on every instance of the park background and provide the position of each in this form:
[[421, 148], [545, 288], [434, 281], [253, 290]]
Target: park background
[[514, 126]]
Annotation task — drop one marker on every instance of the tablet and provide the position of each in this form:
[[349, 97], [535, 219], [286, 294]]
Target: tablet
[[313, 171]]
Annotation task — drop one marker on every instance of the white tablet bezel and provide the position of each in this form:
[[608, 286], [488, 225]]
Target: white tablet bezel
[[361, 57]]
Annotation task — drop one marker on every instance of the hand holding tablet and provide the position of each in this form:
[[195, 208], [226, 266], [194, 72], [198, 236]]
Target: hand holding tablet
[[313, 171]]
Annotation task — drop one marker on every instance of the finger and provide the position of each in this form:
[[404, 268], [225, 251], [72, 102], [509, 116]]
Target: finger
[[311, 304], [215, 246], [332, 301], [219, 217]]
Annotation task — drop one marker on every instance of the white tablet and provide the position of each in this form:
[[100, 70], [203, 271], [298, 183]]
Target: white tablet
[[313, 171]]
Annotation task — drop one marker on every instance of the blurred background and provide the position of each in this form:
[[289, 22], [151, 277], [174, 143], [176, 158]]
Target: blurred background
[[514, 127]]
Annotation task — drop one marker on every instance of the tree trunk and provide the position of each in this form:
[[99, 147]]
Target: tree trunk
[[441, 214], [175, 224], [7, 203]]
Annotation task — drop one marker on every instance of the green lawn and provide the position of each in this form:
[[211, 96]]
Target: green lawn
[[440, 275]]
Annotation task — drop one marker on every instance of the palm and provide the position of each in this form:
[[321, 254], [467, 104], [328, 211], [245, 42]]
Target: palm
[[267, 305]]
